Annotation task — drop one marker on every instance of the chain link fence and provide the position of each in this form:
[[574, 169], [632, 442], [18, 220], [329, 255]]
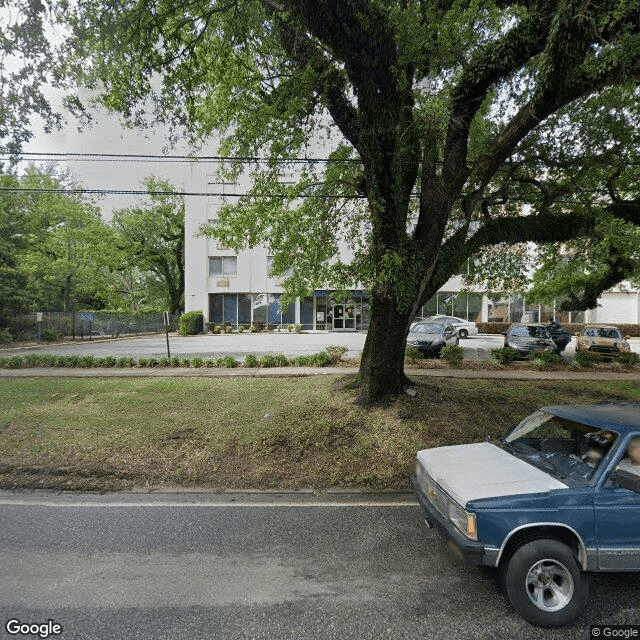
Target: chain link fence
[[87, 325]]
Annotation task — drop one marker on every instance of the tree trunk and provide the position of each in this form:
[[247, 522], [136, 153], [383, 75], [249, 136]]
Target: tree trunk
[[382, 363]]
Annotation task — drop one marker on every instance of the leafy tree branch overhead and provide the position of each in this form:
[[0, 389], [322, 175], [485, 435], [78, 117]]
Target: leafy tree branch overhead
[[444, 105]]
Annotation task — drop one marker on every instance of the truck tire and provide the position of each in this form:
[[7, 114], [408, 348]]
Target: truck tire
[[545, 584]]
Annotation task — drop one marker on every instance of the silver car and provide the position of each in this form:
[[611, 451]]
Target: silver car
[[464, 328], [431, 337]]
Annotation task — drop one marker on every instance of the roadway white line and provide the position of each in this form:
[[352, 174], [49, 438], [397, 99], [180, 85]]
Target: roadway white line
[[249, 505]]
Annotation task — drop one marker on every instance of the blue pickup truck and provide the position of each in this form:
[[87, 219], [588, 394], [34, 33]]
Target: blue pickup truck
[[546, 504]]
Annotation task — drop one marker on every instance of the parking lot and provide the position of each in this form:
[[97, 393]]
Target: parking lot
[[239, 345]]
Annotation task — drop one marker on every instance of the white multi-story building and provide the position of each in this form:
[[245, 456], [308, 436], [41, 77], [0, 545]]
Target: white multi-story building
[[236, 288]]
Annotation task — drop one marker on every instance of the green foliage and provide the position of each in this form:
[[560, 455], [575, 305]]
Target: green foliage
[[191, 323], [544, 359], [294, 328], [197, 362], [50, 335], [268, 361], [125, 361], [240, 328], [5, 335], [412, 354], [250, 360], [336, 352], [227, 361], [252, 329], [453, 354], [144, 362], [505, 355], [322, 359], [175, 361], [210, 362], [185, 362], [228, 329], [586, 358], [216, 329], [629, 358]]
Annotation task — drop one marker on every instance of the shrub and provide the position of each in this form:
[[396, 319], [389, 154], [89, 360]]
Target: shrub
[[227, 361], [252, 329], [216, 329], [412, 353], [321, 359], [87, 361], [185, 362], [268, 361], [197, 362], [452, 353], [143, 362], [14, 362], [49, 334], [5, 335], [125, 361], [164, 361], [209, 362], [296, 327], [154, 362], [505, 355], [240, 328], [191, 323], [175, 361], [586, 358], [258, 325], [543, 359], [302, 361], [335, 352], [628, 358], [250, 360], [107, 361], [228, 329], [61, 361]]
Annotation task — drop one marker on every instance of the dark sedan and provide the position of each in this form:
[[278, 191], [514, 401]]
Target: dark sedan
[[529, 338], [431, 337]]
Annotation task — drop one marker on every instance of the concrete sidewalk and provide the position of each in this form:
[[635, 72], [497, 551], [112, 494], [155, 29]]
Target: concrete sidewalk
[[297, 372]]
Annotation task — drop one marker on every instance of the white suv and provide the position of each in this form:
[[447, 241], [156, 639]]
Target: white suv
[[464, 328]]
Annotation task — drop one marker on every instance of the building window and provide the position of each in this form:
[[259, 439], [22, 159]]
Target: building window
[[223, 266]]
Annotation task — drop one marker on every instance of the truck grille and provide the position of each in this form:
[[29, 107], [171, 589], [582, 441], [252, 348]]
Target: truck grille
[[437, 497]]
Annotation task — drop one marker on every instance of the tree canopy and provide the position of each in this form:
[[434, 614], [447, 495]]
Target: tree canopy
[[454, 127]]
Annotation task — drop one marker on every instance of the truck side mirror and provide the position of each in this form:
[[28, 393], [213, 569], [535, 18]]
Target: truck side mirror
[[626, 480]]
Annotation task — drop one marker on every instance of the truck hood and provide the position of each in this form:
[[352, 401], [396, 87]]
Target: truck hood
[[482, 470]]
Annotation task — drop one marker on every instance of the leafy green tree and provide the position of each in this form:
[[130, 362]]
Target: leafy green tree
[[432, 99], [152, 238]]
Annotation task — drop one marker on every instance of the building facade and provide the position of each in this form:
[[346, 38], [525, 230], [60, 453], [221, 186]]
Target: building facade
[[236, 288]]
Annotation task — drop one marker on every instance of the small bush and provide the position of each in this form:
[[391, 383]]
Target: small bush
[[258, 325], [154, 362], [586, 358], [412, 354], [268, 361], [628, 358], [50, 335], [240, 328], [321, 359], [452, 353], [294, 328], [302, 361], [505, 355], [252, 329], [216, 329], [228, 329], [191, 323], [87, 361], [175, 361], [335, 352], [143, 362], [544, 359], [227, 361], [5, 335], [250, 360], [107, 361], [125, 361], [185, 362], [197, 362], [14, 362], [61, 361], [209, 362], [164, 361]]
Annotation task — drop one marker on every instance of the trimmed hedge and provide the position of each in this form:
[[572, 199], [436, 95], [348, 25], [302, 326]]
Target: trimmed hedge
[[191, 323]]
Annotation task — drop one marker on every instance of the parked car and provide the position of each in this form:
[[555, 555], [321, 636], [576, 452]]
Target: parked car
[[431, 337], [464, 328], [559, 335], [603, 339], [529, 338], [545, 505]]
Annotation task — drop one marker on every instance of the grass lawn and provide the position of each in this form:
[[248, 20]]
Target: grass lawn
[[105, 434]]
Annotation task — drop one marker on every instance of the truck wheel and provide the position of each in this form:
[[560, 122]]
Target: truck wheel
[[545, 584]]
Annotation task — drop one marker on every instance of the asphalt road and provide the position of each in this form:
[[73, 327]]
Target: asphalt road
[[195, 566]]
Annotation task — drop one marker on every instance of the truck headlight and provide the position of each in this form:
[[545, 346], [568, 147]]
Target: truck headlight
[[463, 521], [623, 346]]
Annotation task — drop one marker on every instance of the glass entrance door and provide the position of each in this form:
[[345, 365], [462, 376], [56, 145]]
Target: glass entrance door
[[344, 317]]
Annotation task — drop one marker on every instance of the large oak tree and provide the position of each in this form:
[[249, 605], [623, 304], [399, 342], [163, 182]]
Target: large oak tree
[[435, 99]]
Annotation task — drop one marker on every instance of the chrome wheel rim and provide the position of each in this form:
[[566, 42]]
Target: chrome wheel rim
[[549, 585]]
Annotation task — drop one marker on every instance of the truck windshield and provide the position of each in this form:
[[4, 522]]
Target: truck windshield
[[564, 448]]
